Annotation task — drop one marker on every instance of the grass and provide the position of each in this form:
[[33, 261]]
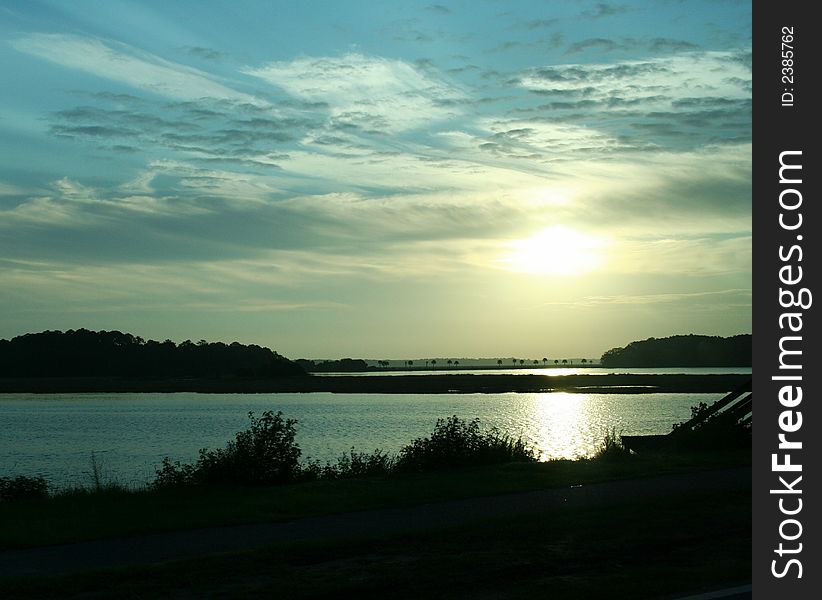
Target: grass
[[80, 515], [638, 549]]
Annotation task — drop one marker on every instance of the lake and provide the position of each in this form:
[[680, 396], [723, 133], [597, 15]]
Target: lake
[[54, 435]]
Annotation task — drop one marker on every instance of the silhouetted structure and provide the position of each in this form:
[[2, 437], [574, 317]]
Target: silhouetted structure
[[683, 351], [726, 423], [84, 353]]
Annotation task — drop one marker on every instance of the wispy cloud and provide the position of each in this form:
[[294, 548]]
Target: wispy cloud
[[694, 74], [439, 9], [125, 64], [604, 9], [379, 93], [737, 297]]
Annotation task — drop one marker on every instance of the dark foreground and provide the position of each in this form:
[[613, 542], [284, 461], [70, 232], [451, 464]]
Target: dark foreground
[[395, 384], [651, 537]]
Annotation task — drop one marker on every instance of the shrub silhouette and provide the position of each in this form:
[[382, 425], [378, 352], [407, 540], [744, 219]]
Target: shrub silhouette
[[456, 443], [353, 464], [23, 488], [266, 454], [611, 448], [263, 454]]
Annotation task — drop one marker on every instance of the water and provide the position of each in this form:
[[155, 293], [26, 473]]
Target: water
[[54, 435]]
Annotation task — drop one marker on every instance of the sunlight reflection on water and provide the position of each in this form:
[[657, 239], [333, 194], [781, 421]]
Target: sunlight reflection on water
[[54, 435]]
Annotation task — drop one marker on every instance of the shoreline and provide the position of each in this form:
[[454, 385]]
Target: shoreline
[[396, 384]]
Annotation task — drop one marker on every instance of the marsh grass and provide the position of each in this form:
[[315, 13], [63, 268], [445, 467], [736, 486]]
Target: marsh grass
[[351, 465], [611, 448]]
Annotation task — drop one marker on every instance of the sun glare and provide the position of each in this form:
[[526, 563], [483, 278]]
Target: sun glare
[[558, 250]]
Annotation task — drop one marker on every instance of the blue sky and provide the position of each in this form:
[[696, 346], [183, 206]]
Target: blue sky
[[383, 180]]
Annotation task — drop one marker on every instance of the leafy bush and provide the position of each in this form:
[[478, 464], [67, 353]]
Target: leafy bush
[[23, 488], [263, 454], [456, 443]]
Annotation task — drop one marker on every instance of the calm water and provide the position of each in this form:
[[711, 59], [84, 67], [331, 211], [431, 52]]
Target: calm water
[[54, 435]]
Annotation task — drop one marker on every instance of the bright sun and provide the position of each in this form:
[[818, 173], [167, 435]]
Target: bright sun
[[558, 250]]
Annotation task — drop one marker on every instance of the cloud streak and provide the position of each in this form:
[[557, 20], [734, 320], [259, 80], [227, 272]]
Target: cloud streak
[[125, 64], [366, 91]]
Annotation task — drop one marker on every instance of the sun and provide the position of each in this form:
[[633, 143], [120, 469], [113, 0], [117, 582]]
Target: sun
[[558, 250]]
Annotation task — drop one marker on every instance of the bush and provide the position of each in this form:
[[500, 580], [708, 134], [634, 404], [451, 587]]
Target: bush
[[23, 488], [263, 454], [456, 443]]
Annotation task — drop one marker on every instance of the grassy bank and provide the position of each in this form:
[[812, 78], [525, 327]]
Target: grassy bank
[[637, 549], [109, 512]]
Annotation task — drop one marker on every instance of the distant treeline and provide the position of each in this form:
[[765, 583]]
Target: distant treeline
[[683, 351], [343, 365], [84, 353]]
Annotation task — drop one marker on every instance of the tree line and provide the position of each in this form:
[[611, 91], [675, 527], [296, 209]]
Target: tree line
[[683, 351], [84, 353]]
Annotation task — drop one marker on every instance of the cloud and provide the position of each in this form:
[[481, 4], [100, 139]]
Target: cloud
[[125, 64], [439, 9], [204, 53], [603, 9], [700, 256], [658, 45], [600, 44], [541, 23], [535, 139], [680, 101], [361, 90], [690, 74], [735, 297], [210, 129]]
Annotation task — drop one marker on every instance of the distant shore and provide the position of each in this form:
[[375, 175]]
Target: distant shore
[[397, 384]]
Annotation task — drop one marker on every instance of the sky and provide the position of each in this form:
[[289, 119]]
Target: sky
[[377, 180]]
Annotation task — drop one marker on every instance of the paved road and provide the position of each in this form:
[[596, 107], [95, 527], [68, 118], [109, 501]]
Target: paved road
[[163, 547], [742, 592]]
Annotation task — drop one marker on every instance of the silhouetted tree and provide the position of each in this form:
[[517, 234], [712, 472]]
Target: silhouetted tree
[[683, 351], [85, 353]]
